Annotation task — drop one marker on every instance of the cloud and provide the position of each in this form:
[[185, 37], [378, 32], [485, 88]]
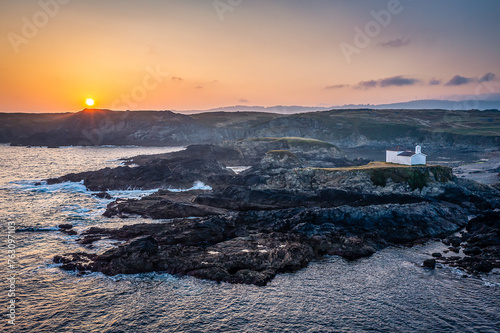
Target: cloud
[[488, 77], [337, 86], [398, 42], [367, 84], [243, 100], [176, 78], [458, 80], [198, 87], [434, 82], [398, 81]]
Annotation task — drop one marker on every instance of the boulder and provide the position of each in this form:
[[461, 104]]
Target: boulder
[[430, 263]]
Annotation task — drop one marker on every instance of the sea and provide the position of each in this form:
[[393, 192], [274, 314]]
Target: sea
[[386, 292]]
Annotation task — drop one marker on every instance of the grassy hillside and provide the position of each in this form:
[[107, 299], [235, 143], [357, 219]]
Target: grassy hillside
[[416, 176], [344, 128]]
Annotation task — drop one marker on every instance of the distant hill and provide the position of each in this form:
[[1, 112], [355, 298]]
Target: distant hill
[[343, 128], [425, 104]]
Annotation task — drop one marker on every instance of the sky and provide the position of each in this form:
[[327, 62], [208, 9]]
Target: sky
[[201, 54]]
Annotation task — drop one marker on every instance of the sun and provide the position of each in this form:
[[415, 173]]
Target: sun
[[89, 102]]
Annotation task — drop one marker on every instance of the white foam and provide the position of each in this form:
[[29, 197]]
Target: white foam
[[491, 284], [239, 169], [79, 187], [66, 187], [130, 194], [196, 186]]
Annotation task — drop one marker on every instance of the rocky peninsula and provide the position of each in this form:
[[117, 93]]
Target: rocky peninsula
[[299, 199]]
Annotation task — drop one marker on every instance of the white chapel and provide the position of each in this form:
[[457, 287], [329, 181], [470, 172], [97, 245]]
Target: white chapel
[[401, 156]]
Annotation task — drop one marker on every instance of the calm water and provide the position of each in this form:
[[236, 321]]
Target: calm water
[[387, 292]]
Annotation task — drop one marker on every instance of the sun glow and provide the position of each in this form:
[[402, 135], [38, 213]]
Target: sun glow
[[89, 102]]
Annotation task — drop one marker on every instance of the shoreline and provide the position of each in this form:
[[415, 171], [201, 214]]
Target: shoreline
[[276, 216]]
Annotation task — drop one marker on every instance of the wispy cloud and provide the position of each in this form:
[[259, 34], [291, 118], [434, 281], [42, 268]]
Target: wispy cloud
[[176, 78], [397, 81], [367, 84], [337, 86], [398, 42], [458, 80], [243, 100], [488, 77], [434, 82]]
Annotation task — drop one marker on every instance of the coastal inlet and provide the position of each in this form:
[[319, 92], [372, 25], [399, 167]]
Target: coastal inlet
[[387, 291]]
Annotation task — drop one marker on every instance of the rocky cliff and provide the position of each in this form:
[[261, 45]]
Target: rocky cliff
[[276, 216], [344, 128]]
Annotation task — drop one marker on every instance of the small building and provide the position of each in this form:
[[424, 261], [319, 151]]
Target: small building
[[401, 156]]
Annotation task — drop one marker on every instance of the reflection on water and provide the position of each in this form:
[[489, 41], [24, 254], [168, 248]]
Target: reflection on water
[[386, 292]]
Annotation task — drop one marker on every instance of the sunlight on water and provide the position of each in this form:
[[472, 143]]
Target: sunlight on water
[[386, 292]]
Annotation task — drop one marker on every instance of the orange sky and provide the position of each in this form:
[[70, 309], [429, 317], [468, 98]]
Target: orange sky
[[189, 54]]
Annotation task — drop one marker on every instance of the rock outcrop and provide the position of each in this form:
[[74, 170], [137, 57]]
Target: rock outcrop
[[480, 244], [280, 214], [252, 247], [178, 173]]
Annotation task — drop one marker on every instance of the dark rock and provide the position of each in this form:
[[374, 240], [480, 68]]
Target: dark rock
[[455, 241], [483, 267], [279, 215], [67, 229], [482, 248], [430, 263], [472, 251], [89, 239], [437, 255], [103, 195], [94, 231], [253, 246], [454, 249], [161, 206], [180, 173], [65, 226], [223, 154], [136, 256], [75, 261]]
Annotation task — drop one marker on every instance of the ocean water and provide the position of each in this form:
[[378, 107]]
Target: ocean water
[[387, 292]]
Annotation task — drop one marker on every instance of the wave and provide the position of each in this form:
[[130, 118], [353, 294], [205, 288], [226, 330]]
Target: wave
[[129, 194], [37, 229], [137, 194], [491, 284], [198, 185], [39, 186]]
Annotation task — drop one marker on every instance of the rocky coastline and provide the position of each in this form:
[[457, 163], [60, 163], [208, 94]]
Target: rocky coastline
[[298, 201]]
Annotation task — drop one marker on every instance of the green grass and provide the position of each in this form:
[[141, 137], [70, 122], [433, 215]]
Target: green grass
[[417, 176], [371, 165]]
